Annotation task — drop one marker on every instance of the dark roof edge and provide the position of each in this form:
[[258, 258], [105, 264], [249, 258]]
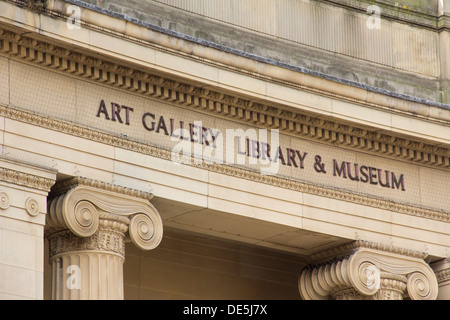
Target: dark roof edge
[[256, 57]]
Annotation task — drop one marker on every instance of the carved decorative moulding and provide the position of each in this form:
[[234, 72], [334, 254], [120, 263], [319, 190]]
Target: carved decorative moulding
[[442, 270], [34, 4], [88, 207], [4, 200], [26, 179], [32, 207], [366, 273]]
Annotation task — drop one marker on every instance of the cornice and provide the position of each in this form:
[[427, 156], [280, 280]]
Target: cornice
[[205, 51], [121, 142], [199, 49], [224, 104], [25, 179]]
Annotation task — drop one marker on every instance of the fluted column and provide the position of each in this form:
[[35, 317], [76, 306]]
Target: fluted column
[[87, 226], [367, 271]]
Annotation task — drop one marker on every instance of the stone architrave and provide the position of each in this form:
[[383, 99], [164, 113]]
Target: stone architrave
[[368, 271], [87, 226]]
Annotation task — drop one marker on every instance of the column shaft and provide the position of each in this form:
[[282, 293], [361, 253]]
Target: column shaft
[[87, 275]]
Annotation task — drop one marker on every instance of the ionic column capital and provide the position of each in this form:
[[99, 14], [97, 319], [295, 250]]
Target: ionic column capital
[[84, 206], [442, 271], [364, 271], [88, 223]]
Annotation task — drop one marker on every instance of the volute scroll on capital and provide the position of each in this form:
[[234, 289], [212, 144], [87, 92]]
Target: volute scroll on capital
[[366, 271], [83, 206]]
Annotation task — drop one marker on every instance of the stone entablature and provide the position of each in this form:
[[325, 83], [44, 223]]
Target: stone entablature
[[237, 108], [142, 82], [189, 96], [367, 271], [122, 142], [223, 105]]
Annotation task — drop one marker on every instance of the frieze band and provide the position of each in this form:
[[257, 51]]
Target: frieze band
[[255, 148], [87, 133]]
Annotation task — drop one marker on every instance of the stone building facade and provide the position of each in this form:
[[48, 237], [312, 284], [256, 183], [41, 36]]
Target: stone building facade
[[236, 149]]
